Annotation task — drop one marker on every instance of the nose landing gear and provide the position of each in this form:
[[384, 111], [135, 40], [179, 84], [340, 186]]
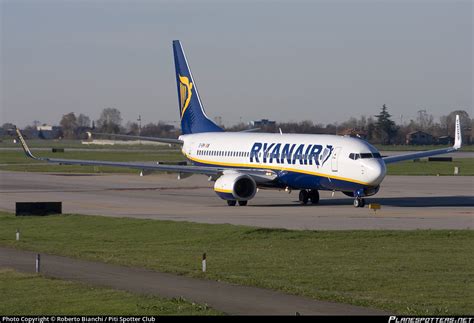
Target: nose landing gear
[[359, 202]]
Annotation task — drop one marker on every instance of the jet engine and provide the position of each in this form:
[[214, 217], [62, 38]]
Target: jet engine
[[235, 186]]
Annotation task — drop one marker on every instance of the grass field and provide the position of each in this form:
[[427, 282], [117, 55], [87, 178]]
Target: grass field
[[27, 294], [424, 167], [17, 161], [406, 272]]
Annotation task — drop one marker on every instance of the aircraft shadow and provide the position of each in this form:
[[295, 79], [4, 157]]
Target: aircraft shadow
[[420, 201]]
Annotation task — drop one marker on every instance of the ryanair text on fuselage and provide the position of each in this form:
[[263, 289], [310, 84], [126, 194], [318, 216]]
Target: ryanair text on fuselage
[[280, 153]]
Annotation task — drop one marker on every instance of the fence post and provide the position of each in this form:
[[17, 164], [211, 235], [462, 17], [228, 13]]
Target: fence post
[[38, 264], [204, 262], [17, 234]]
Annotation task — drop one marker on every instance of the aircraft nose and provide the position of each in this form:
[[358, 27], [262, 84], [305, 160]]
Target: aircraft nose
[[375, 171]]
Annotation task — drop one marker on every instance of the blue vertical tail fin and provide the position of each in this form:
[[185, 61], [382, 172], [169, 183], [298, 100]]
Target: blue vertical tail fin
[[191, 111]]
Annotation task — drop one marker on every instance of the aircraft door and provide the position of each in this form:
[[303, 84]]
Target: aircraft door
[[334, 159]]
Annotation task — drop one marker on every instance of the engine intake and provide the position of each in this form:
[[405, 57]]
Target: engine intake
[[235, 186]]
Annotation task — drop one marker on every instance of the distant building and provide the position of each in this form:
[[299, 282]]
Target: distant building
[[48, 132], [445, 140], [353, 132], [419, 138], [262, 123]]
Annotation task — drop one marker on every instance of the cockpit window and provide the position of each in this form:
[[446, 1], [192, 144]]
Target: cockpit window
[[355, 156]]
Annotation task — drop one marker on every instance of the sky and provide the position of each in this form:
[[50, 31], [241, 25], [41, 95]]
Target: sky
[[323, 61]]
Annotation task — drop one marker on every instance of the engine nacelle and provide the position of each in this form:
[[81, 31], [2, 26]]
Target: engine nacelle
[[235, 186]]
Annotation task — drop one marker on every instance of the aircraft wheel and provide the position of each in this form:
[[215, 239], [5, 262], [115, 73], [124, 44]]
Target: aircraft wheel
[[243, 203], [314, 196], [231, 202], [359, 202], [304, 196]]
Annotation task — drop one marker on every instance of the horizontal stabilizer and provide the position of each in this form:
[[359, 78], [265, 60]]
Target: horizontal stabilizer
[[164, 140]]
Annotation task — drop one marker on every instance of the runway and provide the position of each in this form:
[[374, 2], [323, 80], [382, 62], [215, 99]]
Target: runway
[[408, 202]]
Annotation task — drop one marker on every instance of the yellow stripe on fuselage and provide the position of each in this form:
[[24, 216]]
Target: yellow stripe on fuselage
[[296, 170]]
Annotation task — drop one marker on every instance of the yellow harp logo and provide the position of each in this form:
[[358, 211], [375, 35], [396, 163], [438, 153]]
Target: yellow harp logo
[[185, 93]]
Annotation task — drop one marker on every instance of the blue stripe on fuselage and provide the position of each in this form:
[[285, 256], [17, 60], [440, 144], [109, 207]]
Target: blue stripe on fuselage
[[297, 180]]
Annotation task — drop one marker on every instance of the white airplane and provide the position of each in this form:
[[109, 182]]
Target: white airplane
[[242, 162]]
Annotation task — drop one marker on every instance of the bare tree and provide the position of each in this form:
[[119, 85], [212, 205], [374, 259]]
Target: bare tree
[[69, 124], [132, 128], [83, 121], [425, 120], [110, 120]]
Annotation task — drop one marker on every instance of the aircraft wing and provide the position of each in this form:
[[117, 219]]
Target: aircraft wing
[[259, 175], [421, 154]]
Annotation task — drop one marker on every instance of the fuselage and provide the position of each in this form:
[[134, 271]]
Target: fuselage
[[301, 161]]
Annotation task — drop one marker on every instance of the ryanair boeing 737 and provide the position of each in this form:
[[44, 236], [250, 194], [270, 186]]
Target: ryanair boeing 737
[[241, 162]]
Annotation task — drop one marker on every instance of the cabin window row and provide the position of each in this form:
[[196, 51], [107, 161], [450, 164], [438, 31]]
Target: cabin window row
[[223, 153], [247, 154]]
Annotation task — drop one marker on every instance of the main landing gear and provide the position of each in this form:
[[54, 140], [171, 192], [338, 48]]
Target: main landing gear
[[359, 202], [234, 203], [309, 195]]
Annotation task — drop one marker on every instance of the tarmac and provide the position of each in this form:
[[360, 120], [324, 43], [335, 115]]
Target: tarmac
[[224, 297], [408, 202]]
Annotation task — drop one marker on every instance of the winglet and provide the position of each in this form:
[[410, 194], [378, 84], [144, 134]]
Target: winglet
[[457, 134], [24, 145]]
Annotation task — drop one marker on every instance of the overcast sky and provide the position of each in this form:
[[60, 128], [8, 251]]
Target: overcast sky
[[286, 60]]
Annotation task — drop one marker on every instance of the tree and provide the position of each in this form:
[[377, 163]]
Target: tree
[[83, 121], [8, 126], [69, 124], [132, 128], [425, 120], [109, 121], [385, 127]]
